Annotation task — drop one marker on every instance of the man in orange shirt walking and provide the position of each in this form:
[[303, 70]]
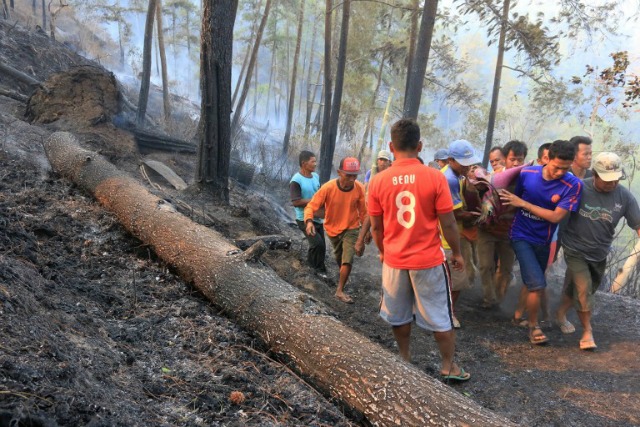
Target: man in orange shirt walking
[[405, 203], [345, 211]]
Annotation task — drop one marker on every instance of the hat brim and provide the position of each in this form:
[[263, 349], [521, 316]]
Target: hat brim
[[473, 160], [349, 172], [610, 176]]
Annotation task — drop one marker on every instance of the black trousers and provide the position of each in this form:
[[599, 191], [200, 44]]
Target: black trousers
[[317, 246]]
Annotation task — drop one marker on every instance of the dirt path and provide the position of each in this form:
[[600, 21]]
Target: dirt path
[[550, 385]]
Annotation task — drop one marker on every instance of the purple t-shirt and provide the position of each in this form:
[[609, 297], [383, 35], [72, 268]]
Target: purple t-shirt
[[533, 188]]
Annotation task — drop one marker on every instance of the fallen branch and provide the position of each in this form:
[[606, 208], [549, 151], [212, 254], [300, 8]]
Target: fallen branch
[[296, 328], [25, 78], [13, 95]]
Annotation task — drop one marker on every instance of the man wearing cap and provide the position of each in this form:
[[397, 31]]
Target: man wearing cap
[[441, 157], [588, 238], [303, 185], [543, 195], [405, 204], [383, 161], [461, 157], [345, 212]]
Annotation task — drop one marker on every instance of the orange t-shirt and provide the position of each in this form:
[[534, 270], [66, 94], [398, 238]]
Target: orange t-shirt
[[409, 196], [343, 210]]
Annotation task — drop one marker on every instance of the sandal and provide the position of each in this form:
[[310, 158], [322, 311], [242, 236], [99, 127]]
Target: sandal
[[566, 327], [536, 336], [462, 376], [588, 344], [520, 321]]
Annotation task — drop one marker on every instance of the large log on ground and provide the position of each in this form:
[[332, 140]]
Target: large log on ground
[[296, 328]]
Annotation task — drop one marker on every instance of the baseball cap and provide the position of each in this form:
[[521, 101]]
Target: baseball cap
[[441, 154], [350, 166], [384, 154], [608, 166], [462, 152]]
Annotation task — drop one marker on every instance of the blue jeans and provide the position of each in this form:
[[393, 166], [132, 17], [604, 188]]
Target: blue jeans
[[533, 262]]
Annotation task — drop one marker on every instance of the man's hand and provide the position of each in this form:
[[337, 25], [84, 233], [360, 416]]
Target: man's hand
[[311, 229], [456, 262], [368, 237], [510, 199], [359, 247]]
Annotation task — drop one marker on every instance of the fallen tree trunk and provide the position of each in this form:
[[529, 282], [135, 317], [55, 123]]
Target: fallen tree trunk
[[294, 326]]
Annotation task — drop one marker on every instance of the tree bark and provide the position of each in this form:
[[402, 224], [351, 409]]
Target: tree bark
[[252, 62], [294, 75], [340, 68], [493, 110], [311, 93], [415, 79], [326, 151], [413, 35], [218, 19], [19, 75], [163, 63], [294, 327], [372, 108], [44, 16], [5, 10], [146, 64]]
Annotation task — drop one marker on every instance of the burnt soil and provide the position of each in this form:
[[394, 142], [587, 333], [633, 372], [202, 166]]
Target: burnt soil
[[96, 331]]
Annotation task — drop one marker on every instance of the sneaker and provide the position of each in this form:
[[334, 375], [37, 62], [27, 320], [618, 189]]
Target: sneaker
[[456, 323]]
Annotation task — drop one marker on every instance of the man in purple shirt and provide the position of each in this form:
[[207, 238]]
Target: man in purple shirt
[[544, 195]]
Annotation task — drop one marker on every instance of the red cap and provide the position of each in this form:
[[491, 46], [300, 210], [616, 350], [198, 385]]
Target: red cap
[[350, 166]]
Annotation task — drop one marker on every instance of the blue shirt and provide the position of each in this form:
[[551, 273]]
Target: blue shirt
[[533, 188], [308, 187], [454, 182]]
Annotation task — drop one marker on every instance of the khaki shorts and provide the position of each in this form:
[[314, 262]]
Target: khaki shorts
[[344, 246], [424, 294], [459, 279], [582, 279]]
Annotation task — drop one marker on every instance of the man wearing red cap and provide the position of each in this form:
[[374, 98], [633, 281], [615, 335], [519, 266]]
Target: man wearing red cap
[[343, 201]]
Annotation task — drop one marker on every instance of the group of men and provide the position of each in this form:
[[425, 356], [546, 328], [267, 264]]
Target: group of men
[[431, 227]]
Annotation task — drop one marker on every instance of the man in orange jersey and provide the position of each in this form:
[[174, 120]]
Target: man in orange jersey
[[405, 203], [345, 211]]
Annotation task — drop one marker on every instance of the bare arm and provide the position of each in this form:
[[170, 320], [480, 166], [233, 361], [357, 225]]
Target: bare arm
[[360, 243], [553, 216], [377, 231], [452, 236]]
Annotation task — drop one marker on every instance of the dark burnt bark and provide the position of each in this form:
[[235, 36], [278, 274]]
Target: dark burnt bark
[[294, 76], [143, 98], [295, 328], [218, 20], [326, 151], [163, 63]]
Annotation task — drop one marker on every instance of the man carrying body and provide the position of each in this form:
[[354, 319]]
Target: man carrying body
[[461, 157], [497, 159], [544, 195], [345, 211], [405, 203], [303, 185], [494, 239], [588, 237]]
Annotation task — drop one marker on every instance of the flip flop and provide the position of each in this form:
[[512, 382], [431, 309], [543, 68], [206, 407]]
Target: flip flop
[[566, 327], [345, 298], [462, 376], [520, 322], [588, 344], [537, 337]]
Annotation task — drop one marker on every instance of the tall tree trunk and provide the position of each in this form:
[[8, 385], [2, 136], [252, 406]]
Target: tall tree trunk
[[337, 96], [314, 95], [12, 4], [252, 62], [44, 16], [311, 93], [146, 63], [34, 6], [294, 75], [241, 75], [163, 62], [5, 10], [372, 108], [413, 35], [255, 92], [120, 43], [326, 152], [216, 58], [375, 383], [415, 79], [496, 83]]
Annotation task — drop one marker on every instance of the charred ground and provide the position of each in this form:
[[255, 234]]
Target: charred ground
[[96, 331]]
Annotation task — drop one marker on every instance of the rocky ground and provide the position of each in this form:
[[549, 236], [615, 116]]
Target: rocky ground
[[96, 331]]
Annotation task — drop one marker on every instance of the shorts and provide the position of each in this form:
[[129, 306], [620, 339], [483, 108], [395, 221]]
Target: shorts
[[582, 279], [344, 246], [424, 294], [459, 279], [533, 260]]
